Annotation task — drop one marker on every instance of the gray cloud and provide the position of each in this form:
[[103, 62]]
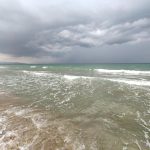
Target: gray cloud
[[30, 28], [91, 35]]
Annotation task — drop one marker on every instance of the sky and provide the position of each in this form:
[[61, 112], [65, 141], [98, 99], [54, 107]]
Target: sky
[[79, 31]]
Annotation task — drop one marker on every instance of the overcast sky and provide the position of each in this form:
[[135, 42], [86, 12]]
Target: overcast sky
[[75, 31]]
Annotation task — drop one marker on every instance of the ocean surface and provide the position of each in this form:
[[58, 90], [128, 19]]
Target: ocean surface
[[75, 107]]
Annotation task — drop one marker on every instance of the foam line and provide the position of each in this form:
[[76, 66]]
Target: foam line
[[131, 82], [123, 72]]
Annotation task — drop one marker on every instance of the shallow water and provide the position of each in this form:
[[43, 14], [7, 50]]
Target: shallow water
[[75, 107]]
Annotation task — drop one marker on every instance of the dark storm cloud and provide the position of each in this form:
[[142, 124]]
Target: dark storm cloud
[[30, 28], [21, 22], [91, 35]]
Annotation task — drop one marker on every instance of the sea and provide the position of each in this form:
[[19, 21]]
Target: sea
[[75, 107]]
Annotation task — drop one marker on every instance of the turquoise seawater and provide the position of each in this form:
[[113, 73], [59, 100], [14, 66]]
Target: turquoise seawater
[[75, 107]]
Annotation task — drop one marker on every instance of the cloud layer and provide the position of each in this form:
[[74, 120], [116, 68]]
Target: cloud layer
[[61, 29]]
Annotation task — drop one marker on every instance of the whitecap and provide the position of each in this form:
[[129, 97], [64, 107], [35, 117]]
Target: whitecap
[[32, 66], [123, 72], [71, 77], [2, 67], [129, 81], [35, 73], [44, 67], [40, 73]]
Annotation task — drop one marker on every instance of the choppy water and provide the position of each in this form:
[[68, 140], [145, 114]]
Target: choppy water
[[75, 107]]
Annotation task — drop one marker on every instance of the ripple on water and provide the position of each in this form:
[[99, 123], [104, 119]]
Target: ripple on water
[[82, 114]]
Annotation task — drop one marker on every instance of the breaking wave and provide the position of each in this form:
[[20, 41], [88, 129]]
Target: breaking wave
[[129, 81], [123, 72]]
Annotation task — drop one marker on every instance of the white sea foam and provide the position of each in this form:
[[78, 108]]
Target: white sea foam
[[44, 67], [35, 73], [24, 147], [77, 145], [131, 82], [40, 73], [125, 148], [10, 143], [18, 111], [147, 139], [2, 119], [2, 67], [39, 121], [71, 77], [22, 112], [138, 145], [3, 92], [32, 66], [123, 72]]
